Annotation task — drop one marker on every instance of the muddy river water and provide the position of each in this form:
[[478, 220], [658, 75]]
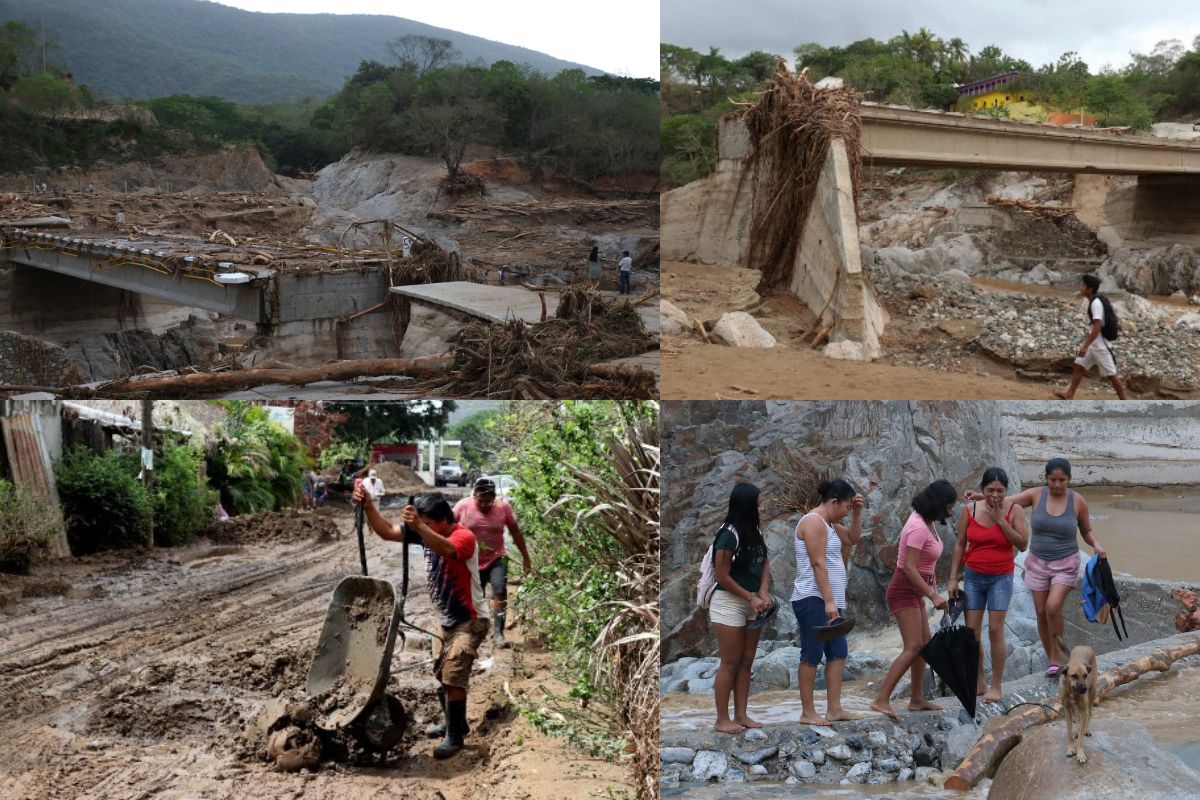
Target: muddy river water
[[1150, 533]]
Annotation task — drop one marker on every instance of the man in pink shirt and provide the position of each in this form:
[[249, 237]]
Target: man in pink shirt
[[487, 517]]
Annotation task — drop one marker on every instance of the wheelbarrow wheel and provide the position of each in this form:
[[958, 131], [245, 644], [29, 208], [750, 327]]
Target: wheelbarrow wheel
[[382, 726]]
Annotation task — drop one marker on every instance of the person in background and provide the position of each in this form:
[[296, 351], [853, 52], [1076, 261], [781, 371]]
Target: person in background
[[625, 271], [743, 592], [819, 594], [912, 583], [989, 535], [374, 486], [595, 270], [1097, 348], [487, 517]]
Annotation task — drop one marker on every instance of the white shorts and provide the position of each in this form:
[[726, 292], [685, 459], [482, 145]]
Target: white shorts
[[1100, 356], [726, 608]]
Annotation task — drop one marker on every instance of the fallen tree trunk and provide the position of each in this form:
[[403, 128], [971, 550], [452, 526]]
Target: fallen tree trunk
[[991, 748], [207, 383]]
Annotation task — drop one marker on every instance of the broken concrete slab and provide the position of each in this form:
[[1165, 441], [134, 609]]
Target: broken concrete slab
[[739, 329]]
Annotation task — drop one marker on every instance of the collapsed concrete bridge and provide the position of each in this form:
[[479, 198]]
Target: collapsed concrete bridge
[[709, 221]]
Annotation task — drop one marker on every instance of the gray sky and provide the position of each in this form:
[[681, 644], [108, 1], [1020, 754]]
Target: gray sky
[[1039, 31], [617, 36]]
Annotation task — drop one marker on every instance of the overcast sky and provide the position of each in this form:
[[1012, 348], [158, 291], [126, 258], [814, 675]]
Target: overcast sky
[[617, 36], [1039, 31]]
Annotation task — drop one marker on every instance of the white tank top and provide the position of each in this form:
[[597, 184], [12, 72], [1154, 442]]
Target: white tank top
[[806, 583]]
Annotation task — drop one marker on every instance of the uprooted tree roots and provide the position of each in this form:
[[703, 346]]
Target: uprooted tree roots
[[555, 358], [791, 127]]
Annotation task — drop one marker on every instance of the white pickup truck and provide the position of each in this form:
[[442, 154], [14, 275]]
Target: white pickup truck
[[449, 472]]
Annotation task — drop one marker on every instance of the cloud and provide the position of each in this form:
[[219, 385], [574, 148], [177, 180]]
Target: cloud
[[1101, 31]]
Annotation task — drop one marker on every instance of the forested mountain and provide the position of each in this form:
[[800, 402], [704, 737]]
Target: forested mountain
[[153, 48]]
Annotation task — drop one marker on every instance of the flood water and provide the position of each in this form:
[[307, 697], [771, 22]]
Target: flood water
[[1149, 533]]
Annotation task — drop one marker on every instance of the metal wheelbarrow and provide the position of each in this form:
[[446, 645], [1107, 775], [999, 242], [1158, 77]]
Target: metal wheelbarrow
[[354, 654]]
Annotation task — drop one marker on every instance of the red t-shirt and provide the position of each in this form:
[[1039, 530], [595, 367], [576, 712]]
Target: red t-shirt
[[488, 528], [988, 550], [454, 580]]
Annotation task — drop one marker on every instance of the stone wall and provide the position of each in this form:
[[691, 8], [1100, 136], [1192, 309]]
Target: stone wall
[[891, 450]]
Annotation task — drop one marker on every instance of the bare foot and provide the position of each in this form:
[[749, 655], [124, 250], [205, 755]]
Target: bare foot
[[813, 719], [746, 722], [924, 705], [1062, 395], [979, 691], [992, 695], [840, 715], [886, 710], [728, 726]]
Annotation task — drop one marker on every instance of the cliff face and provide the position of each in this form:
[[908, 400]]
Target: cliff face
[[898, 446], [1141, 442]]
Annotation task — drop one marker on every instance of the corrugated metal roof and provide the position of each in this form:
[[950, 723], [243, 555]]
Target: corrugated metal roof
[[28, 460]]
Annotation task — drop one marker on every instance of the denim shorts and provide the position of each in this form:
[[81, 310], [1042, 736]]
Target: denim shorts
[[984, 591], [810, 614]]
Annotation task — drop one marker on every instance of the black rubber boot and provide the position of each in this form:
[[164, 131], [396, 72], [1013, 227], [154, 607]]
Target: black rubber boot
[[436, 729], [498, 629], [456, 729]]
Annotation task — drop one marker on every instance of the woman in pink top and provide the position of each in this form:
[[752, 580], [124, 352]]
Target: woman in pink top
[[911, 583]]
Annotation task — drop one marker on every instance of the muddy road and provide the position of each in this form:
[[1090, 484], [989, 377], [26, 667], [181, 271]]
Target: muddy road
[[135, 677]]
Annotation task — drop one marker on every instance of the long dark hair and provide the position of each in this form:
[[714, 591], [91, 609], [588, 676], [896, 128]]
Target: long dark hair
[[743, 514], [595, 254], [931, 501]]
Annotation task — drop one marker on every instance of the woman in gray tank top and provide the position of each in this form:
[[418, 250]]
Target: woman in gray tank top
[[1052, 564]]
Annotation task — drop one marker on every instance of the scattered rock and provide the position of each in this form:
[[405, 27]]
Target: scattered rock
[[739, 329], [677, 755], [709, 764]]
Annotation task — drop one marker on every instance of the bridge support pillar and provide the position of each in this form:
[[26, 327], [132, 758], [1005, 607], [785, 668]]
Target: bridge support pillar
[[1165, 205]]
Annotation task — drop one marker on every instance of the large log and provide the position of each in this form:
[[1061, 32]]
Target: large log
[[983, 759], [209, 383]]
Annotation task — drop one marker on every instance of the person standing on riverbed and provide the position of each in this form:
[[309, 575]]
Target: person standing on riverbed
[[743, 592], [1052, 565], [1097, 348], [819, 594], [987, 536], [913, 582]]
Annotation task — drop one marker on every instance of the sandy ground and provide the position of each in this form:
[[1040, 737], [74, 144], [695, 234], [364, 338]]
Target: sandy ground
[[920, 365], [133, 677]]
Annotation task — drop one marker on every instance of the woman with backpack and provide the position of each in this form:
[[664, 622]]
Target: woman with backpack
[[912, 583], [743, 578], [1097, 348], [819, 594], [1052, 565], [989, 534]]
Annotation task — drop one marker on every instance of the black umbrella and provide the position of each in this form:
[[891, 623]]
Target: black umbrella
[[953, 653]]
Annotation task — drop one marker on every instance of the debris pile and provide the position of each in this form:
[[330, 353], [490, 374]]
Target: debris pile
[[558, 358], [274, 526], [791, 127]]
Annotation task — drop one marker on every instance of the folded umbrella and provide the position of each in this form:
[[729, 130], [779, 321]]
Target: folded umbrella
[[953, 653]]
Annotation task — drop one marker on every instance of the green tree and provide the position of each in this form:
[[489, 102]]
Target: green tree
[[422, 53], [396, 421], [478, 438]]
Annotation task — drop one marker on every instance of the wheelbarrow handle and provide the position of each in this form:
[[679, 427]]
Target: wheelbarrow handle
[[360, 518]]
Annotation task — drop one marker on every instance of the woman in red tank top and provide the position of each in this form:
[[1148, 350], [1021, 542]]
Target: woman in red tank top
[[988, 532]]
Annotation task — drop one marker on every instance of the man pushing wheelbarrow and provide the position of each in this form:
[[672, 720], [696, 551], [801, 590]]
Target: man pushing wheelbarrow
[[452, 567]]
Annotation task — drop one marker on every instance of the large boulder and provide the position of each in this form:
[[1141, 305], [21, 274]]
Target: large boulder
[[1123, 761]]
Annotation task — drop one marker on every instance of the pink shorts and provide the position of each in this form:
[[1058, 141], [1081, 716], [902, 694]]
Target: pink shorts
[[902, 594], [1040, 575]]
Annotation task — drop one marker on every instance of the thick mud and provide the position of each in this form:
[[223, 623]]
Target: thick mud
[[145, 676]]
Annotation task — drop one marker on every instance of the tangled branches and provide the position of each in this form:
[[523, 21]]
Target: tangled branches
[[556, 358], [791, 127]]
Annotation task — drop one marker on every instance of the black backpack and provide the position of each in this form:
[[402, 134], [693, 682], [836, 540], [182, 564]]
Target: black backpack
[[1111, 328]]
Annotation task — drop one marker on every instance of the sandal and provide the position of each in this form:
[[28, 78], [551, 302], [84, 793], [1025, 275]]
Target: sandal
[[1052, 670]]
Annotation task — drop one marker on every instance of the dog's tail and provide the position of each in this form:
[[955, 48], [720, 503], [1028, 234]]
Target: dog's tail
[[1063, 650]]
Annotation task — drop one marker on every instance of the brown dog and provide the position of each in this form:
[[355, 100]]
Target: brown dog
[[1077, 693]]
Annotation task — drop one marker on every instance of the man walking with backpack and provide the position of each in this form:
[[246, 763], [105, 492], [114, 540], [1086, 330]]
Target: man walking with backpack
[[1097, 348]]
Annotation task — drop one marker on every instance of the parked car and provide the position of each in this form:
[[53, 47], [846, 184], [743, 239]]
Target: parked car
[[504, 484], [449, 472]]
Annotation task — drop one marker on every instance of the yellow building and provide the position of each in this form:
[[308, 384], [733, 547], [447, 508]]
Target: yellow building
[[1008, 95]]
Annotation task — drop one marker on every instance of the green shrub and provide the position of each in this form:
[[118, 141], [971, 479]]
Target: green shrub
[[28, 526], [255, 464], [183, 503], [105, 506]]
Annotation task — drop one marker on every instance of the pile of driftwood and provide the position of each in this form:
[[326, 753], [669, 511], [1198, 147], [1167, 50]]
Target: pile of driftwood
[[555, 359], [791, 127]]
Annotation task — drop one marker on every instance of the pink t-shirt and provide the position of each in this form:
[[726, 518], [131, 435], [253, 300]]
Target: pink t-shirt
[[488, 528], [918, 535]]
